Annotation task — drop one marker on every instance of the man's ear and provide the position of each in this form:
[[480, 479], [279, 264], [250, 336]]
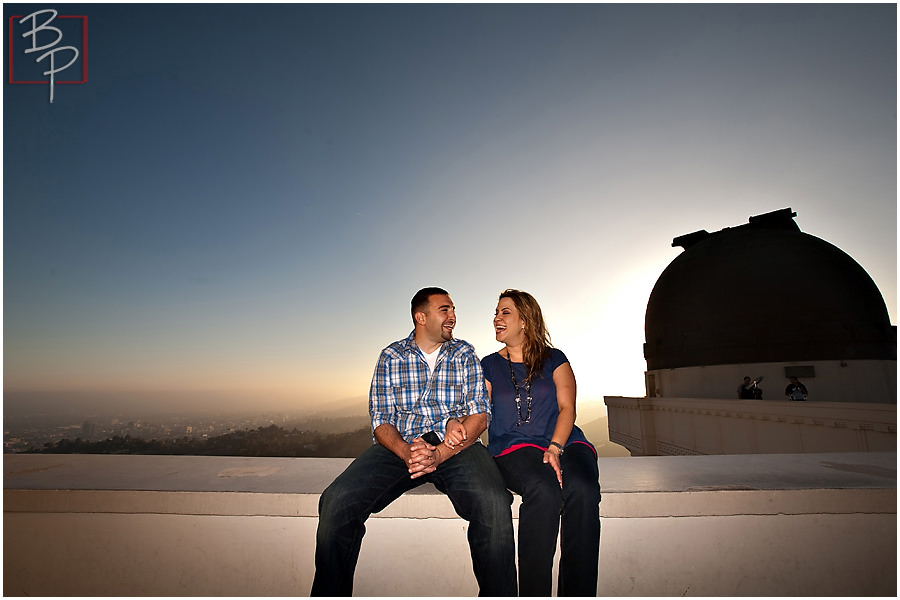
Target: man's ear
[[419, 318]]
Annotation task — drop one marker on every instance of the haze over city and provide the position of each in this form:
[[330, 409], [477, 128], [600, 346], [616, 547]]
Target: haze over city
[[236, 208]]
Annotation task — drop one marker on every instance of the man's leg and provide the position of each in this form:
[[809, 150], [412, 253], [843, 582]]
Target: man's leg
[[371, 482], [478, 494]]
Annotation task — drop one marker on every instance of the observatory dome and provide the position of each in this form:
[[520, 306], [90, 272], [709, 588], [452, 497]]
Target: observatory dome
[[764, 292]]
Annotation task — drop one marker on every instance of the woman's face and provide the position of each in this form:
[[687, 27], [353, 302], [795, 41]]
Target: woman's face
[[509, 328]]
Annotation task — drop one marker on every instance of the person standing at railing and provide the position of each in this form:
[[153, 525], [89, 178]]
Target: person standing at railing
[[750, 390], [428, 405], [543, 455], [796, 390]]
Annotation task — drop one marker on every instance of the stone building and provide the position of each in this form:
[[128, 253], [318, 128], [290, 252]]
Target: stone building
[[765, 299]]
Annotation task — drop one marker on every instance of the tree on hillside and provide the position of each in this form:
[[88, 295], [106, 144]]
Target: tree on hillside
[[264, 441]]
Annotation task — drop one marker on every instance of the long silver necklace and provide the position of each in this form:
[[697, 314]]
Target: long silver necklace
[[519, 419]]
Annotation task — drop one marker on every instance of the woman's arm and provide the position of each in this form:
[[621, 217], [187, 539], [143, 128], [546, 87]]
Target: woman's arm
[[564, 378], [474, 425]]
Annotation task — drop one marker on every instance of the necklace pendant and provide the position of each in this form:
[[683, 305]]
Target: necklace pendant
[[528, 400]]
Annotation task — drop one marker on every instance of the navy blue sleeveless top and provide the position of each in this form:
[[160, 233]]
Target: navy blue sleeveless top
[[504, 435]]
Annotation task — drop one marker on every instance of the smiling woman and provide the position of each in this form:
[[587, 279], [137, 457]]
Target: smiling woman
[[541, 453]]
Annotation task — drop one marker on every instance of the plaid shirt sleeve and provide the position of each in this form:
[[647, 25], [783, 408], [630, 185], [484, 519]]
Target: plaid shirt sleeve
[[474, 398], [381, 400], [476, 393]]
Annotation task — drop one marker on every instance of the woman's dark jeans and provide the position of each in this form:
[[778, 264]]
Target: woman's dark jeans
[[378, 477], [543, 502]]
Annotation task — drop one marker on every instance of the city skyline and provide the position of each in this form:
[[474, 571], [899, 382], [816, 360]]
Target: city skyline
[[237, 206]]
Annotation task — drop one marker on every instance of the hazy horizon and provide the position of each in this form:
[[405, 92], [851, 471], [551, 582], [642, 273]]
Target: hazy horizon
[[135, 403], [111, 402]]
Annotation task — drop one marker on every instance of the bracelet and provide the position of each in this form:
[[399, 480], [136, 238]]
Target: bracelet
[[558, 447]]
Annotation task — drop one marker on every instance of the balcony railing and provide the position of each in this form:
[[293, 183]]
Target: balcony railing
[[742, 525], [678, 426]]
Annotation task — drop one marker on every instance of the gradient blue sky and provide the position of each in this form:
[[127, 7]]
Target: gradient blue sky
[[242, 199]]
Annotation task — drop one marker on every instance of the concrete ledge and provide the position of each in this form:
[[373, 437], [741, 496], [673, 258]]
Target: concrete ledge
[[435, 505], [88, 525], [290, 487]]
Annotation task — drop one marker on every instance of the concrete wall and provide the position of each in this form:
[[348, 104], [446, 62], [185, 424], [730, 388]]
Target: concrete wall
[[865, 381], [675, 426], [220, 526]]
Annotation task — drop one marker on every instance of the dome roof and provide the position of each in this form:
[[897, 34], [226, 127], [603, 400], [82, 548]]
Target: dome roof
[[764, 292]]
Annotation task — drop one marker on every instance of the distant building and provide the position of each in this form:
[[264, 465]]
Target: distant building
[[88, 429], [765, 299]]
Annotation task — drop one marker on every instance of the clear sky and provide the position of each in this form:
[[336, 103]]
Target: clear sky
[[242, 199]]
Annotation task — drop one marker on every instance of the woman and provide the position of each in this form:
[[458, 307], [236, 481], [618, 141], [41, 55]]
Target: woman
[[542, 455]]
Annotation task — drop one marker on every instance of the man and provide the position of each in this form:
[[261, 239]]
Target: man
[[428, 406], [795, 390], [745, 390]]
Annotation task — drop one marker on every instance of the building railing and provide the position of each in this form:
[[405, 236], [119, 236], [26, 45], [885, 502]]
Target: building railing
[[677, 426], [751, 525]]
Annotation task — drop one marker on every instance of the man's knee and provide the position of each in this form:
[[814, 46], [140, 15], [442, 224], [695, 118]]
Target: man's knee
[[333, 499], [495, 504], [325, 505]]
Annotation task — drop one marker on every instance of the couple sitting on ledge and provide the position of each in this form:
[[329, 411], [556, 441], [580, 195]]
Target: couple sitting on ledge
[[430, 400]]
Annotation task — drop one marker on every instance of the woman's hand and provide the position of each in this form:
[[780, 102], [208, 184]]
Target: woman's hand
[[551, 457], [456, 433]]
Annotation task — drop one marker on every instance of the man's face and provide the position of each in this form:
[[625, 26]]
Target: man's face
[[440, 318]]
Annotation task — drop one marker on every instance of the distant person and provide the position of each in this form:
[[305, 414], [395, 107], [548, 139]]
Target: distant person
[[795, 390], [428, 405], [543, 455], [745, 390]]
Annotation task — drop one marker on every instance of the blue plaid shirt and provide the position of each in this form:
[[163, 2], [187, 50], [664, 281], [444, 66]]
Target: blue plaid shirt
[[403, 395]]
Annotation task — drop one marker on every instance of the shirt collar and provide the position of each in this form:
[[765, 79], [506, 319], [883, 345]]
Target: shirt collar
[[410, 345]]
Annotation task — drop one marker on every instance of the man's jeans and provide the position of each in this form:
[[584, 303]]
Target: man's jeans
[[377, 478], [543, 504]]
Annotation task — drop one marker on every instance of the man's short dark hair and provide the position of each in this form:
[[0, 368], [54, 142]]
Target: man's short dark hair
[[420, 300]]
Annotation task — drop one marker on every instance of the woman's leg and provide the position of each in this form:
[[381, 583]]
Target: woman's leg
[[580, 536]]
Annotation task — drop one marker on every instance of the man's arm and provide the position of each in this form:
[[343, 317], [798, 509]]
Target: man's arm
[[388, 436], [382, 404], [476, 403], [418, 455]]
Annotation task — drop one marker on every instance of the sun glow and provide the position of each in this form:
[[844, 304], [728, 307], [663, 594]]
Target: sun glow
[[607, 354]]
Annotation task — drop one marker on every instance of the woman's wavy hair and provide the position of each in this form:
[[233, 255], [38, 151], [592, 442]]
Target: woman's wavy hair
[[536, 347]]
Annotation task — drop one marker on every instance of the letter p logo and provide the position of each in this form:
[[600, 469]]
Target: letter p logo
[[51, 38]]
